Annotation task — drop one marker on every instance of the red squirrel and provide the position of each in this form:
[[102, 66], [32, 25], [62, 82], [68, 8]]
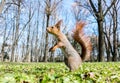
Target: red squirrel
[[71, 57]]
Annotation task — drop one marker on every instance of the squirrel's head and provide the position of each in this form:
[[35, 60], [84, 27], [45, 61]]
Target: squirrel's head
[[55, 29]]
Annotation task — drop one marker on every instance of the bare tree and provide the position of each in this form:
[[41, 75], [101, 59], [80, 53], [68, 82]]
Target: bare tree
[[27, 57], [37, 48], [50, 7], [112, 45], [15, 41], [96, 9], [100, 15], [17, 31], [115, 26], [4, 44], [48, 13]]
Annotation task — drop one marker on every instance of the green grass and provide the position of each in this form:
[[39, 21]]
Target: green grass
[[59, 73]]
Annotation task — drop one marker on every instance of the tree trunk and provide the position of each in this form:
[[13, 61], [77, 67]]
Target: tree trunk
[[101, 41], [118, 46], [108, 55], [4, 42], [115, 23], [46, 44], [114, 58], [107, 49], [28, 52], [36, 40], [15, 38]]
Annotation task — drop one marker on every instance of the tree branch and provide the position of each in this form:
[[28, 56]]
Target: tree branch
[[92, 5], [109, 43], [113, 2], [25, 26]]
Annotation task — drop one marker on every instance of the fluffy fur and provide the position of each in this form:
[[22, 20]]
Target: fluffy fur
[[83, 40]]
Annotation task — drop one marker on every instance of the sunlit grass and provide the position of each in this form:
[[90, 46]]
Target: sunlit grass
[[103, 72]]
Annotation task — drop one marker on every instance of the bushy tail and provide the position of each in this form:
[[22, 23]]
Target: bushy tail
[[83, 40]]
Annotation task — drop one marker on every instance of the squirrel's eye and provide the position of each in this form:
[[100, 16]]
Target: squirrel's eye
[[51, 27]]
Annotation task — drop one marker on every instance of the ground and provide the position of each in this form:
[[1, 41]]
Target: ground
[[103, 72]]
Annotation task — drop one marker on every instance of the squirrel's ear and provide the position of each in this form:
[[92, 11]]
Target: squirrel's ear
[[58, 24]]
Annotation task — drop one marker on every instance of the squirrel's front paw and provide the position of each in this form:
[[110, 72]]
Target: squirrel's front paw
[[51, 49]]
